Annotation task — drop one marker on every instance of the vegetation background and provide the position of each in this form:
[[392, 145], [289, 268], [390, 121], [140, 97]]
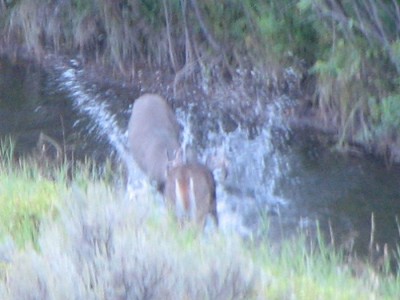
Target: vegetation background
[[347, 53]]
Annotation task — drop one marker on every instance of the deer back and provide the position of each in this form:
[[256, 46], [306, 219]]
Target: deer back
[[153, 136]]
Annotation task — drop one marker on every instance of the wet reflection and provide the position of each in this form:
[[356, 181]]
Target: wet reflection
[[30, 105]]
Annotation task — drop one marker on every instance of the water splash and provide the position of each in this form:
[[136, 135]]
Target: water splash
[[254, 167], [254, 164], [96, 106], [251, 187]]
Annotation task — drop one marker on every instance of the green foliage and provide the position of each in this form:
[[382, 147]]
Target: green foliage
[[7, 147], [25, 201], [227, 20], [124, 31], [390, 111], [26, 197], [285, 30], [81, 6], [355, 63], [152, 12], [386, 115], [30, 192], [342, 62], [395, 51]]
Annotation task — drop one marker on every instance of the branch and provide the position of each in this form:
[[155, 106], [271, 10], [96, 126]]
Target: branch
[[170, 45], [210, 38], [397, 14]]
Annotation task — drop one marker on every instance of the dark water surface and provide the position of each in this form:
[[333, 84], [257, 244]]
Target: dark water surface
[[31, 104], [350, 196], [301, 180]]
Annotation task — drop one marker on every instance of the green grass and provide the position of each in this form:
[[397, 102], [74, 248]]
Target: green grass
[[302, 274], [27, 195], [31, 190], [25, 199], [84, 238]]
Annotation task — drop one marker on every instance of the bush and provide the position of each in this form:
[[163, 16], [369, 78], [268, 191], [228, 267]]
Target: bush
[[107, 246]]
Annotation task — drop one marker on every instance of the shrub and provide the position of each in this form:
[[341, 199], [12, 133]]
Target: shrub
[[106, 246]]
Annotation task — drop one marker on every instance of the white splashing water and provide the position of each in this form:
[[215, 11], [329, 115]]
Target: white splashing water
[[96, 107], [88, 103], [254, 165]]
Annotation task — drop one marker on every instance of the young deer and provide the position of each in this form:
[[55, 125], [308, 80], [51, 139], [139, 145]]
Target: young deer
[[190, 191], [153, 136]]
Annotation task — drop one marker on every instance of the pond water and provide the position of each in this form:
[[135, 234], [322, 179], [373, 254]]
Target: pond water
[[291, 178], [31, 103]]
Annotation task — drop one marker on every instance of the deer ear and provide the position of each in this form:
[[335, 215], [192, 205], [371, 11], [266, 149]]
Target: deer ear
[[175, 158], [218, 161]]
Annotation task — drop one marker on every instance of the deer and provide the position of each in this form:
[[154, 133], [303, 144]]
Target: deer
[[190, 192], [153, 141], [153, 136]]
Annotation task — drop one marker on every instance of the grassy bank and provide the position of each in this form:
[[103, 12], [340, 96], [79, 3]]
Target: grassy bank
[[346, 53], [27, 195], [82, 237]]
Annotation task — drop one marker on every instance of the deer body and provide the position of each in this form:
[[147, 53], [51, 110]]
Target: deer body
[[153, 141], [153, 136], [190, 191]]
